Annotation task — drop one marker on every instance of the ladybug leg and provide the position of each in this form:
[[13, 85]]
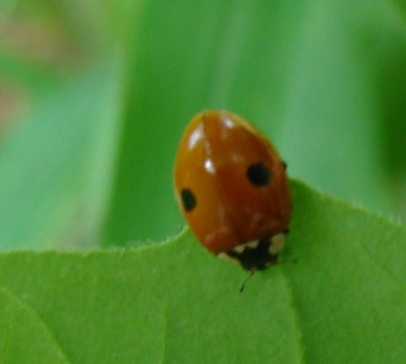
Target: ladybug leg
[[246, 279]]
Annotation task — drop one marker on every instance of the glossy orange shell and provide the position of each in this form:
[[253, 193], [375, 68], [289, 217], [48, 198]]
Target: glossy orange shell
[[215, 151]]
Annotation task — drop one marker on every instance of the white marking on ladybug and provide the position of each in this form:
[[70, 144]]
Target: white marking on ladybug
[[277, 243], [239, 249], [228, 258], [252, 244]]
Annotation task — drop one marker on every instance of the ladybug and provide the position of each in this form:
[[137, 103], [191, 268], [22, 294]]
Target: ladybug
[[231, 187]]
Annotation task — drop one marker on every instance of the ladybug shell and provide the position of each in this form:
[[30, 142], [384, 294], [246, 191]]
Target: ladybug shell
[[230, 182]]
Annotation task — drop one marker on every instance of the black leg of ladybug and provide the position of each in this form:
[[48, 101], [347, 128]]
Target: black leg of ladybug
[[285, 165], [246, 279]]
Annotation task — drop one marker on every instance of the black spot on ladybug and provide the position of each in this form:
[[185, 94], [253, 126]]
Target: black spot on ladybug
[[188, 199], [258, 174]]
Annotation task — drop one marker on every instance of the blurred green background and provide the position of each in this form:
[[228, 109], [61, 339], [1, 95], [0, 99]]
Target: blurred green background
[[94, 97]]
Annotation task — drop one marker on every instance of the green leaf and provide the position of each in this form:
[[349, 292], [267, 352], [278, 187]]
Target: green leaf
[[348, 286], [23, 335], [343, 301]]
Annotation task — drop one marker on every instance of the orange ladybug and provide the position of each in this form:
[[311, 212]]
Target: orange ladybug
[[232, 189]]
